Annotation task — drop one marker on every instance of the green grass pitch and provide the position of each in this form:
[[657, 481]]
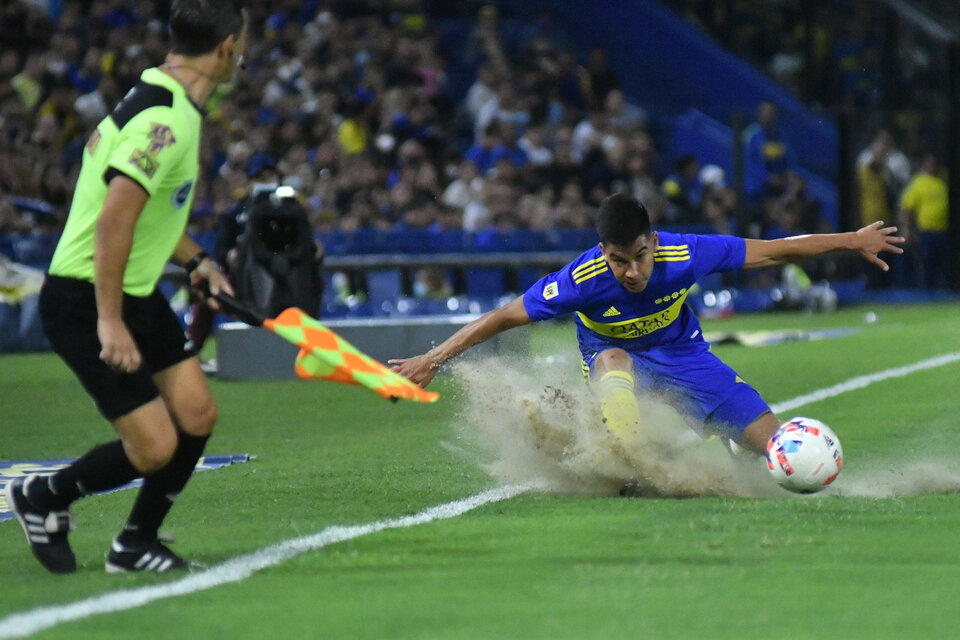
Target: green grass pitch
[[539, 565]]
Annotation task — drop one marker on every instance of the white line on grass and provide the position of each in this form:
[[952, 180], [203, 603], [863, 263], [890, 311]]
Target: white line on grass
[[862, 381], [20, 625]]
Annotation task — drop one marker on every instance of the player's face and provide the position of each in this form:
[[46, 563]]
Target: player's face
[[632, 266]]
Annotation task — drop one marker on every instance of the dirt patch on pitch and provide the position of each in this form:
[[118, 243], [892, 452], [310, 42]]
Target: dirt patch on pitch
[[540, 421]]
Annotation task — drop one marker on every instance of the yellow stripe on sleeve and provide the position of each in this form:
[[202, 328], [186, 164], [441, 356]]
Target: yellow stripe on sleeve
[[587, 275], [587, 266]]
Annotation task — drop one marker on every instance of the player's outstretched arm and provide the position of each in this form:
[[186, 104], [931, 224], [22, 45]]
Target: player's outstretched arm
[[421, 369], [869, 241]]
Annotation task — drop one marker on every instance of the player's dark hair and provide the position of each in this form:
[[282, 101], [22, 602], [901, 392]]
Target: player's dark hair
[[621, 220], [198, 26]]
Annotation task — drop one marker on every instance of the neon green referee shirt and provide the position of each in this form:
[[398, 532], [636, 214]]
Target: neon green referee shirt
[[152, 137]]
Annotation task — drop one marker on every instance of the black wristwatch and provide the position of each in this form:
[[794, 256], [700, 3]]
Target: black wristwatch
[[194, 262]]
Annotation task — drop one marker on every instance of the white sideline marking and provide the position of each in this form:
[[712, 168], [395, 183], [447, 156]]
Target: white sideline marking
[[27, 623], [24, 624], [862, 381]]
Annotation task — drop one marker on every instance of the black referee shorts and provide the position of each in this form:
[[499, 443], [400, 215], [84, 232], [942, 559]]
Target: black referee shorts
[[68, 310]]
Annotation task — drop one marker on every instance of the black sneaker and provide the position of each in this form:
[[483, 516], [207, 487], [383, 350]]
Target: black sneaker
[[638, 489], [152, 557], [46, 531]]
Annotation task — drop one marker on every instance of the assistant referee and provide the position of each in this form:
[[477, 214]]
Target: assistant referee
[[101, 309]]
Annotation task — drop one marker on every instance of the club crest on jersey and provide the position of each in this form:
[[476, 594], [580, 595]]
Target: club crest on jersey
[[181, 194], [145, 162], [551, 291], [160, 136]]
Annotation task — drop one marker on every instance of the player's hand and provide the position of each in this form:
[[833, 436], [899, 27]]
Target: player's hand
[[874, 238], [216, 281], [118, 349], [419, 369]]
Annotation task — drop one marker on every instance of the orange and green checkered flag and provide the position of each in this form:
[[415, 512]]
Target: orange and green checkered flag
[[324, 355]]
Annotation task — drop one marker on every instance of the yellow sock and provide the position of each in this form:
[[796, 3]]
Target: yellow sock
[[618, 403]]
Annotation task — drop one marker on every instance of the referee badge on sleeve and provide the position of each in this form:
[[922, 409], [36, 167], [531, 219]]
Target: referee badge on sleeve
[[551, 291]]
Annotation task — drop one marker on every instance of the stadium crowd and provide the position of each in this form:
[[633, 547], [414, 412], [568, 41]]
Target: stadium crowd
[[389, 116], [379, 118]]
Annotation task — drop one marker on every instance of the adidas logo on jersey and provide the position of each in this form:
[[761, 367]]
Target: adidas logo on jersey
[[609, 313]]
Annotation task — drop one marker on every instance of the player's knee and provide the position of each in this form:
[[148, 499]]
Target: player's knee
[[199, 420], [613, 360], [150, 454]]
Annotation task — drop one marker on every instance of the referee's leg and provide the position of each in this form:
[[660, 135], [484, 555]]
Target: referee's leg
[[190, 412]]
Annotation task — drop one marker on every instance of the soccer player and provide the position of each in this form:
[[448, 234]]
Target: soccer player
[[103, 314], [635, 331]]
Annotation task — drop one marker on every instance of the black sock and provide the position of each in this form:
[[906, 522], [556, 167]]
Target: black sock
[[159, 491], [104, 467]]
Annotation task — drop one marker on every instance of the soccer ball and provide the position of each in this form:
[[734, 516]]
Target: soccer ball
[[804, 455]]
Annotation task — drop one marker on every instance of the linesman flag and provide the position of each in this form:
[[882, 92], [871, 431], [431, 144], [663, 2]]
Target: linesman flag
[[324, 355]]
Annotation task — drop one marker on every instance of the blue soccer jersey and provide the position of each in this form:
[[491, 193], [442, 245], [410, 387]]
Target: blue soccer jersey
[[607, 315], [656, 327]]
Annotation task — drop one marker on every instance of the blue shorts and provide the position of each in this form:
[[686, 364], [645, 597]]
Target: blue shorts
[[707, 393]]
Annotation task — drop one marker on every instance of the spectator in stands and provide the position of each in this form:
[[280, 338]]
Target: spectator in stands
[[718, 208], [571, 211], [718, 202], [431, 283], [623, 117], [604, 170], [895, 161], [785, 220], [534, 144], [506, 107], [466, 188], [588, 136], [482, 91], [563, 167], [481, 152], [573, 82], [924, 220], [640, 183], [484, 40], [354, 132], [875, 182], [682, 190], [602, 78], [767, 157], [508, 147], [28, 83]]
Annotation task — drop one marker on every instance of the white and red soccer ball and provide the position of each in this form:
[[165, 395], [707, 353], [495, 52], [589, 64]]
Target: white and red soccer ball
[[804, 455]]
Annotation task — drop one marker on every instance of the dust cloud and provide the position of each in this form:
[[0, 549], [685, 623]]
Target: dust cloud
[[529, 419], [541, 421]]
